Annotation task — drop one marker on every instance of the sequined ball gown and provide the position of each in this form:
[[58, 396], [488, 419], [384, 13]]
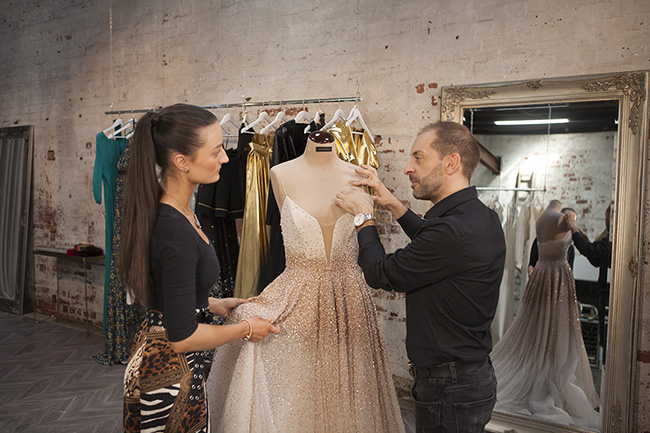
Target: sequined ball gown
[[541, 363], [327, 371]]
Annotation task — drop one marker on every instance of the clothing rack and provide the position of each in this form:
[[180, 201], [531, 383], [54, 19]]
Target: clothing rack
[[489, 188], [254, 104]]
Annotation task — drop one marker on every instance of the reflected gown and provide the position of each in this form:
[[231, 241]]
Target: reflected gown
[[327, 371], [541, 363]]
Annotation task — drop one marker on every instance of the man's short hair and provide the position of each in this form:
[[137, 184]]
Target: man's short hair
[[565, 209], [451, 137]]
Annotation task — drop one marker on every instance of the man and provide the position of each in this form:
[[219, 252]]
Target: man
[[451, 272], [571, 253], [599, 254]]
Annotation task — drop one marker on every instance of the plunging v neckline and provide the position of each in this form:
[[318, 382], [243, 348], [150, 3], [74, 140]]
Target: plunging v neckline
[[328, 256]]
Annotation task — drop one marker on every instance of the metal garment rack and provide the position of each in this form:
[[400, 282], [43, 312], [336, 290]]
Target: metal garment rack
[[254, 104]]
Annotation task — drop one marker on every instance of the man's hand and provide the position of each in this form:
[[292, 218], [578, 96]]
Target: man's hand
[[354, 201], [223, 307], [381, 195]]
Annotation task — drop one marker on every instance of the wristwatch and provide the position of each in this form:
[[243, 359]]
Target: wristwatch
[[361, 218]]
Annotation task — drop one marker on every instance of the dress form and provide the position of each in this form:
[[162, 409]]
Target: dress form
[[312, 181], [551, 223]]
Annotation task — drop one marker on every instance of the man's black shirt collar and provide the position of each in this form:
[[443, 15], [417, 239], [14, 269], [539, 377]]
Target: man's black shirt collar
[[451, 201]]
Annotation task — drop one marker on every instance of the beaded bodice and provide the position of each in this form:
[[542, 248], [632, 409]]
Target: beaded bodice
[[556, 249], [304, 244]]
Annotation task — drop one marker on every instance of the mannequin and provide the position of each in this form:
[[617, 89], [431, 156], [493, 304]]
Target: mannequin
[[312, 181], [328, 368], [551, 224]]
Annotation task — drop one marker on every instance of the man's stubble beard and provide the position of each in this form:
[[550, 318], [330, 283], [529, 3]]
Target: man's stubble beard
[[429, 187]]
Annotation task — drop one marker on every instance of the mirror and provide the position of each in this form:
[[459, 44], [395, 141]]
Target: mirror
[[579, 143]]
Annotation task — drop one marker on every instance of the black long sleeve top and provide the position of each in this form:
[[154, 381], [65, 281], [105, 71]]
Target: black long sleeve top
[[183, 269], [599, 254], [451, 272]]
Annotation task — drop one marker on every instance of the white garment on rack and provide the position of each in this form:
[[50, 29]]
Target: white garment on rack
[[522, 233], [505, 309], [534, 210]]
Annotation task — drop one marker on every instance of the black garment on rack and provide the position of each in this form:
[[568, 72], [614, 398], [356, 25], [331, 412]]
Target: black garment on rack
[[219, 204], [226, 198], [222, 233], [289, 143]]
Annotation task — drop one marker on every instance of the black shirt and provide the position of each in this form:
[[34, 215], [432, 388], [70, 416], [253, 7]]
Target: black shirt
[[451, 272], [599, 254], [183, 268]]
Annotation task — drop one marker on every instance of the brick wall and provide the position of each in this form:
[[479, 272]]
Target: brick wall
[[62, 69]]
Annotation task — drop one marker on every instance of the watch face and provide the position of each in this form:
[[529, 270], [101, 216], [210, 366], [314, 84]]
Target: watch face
[[361, 218]]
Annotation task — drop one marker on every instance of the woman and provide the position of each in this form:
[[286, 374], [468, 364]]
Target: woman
[[169, 266]]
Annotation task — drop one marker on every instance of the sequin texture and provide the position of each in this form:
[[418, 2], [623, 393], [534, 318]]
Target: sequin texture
[[327, 371], [541, 363]]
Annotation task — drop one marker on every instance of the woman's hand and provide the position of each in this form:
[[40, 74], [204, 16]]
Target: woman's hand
[[260, 328], [223, 307]]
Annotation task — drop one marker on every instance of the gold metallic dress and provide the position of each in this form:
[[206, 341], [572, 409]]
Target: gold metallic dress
[[354, 145], [254, 236], [327, 371]]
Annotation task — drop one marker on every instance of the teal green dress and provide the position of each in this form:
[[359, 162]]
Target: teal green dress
[[105, 174], [122, 320]]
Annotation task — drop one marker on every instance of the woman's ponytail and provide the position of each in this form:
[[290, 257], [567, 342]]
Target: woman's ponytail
[[141, 196]]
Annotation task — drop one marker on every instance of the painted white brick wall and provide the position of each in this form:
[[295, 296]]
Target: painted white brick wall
[[60, 75]]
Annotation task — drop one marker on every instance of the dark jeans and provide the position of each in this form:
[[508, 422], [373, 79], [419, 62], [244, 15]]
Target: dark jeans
[[459, 403]]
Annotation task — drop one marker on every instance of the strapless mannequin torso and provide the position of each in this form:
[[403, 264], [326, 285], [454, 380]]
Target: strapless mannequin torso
[[312, 181]]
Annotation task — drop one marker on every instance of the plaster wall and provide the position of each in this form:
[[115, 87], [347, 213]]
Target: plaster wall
[[67, 62]]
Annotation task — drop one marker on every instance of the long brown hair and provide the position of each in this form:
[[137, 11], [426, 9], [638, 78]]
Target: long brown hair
[[157, 136]]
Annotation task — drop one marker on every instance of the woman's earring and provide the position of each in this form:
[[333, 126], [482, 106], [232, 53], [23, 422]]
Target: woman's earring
[[187, 170]]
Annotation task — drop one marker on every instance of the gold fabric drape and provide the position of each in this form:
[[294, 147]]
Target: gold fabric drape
[[354, 145], [254, 236]]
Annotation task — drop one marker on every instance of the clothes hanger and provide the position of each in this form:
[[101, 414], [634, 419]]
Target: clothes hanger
[[110, 129], [264, 116], [130, 134], [303, 115], [319, 111], [127, 125], [279, 119], [338, 115], [355, 114], [227, 119]]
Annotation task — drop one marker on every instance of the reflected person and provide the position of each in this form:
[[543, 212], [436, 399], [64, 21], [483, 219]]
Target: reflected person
[[599, 254], [450, 271]]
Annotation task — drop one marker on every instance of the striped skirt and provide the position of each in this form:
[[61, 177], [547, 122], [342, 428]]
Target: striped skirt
[[163, 391]]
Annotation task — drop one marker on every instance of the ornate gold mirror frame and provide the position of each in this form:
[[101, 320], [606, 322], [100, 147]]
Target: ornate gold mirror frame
[[631, 90]]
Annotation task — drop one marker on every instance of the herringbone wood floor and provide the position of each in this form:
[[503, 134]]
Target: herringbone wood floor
[[50, 383]]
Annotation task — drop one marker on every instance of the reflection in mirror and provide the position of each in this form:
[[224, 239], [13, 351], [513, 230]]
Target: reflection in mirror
[[549, 342]]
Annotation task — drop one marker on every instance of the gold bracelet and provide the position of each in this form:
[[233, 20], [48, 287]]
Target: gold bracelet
[[250, 330]]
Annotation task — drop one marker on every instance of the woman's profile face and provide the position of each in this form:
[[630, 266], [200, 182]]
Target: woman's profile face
[[207, 162]]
